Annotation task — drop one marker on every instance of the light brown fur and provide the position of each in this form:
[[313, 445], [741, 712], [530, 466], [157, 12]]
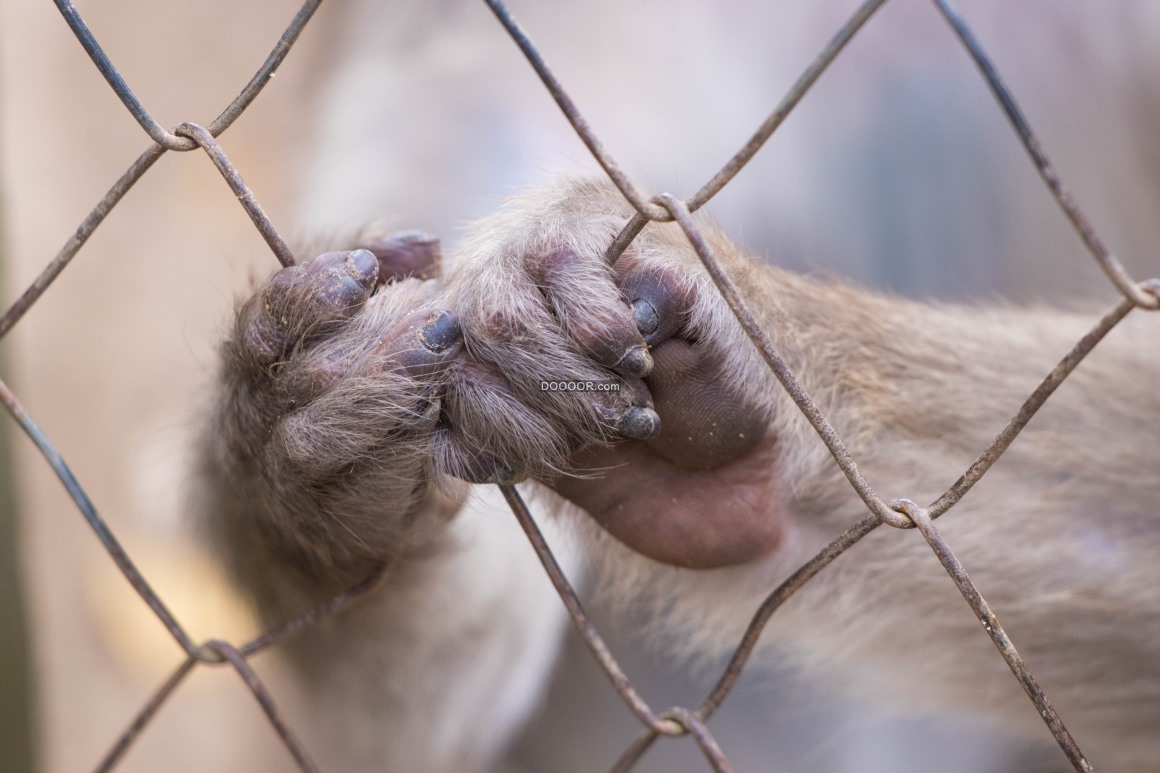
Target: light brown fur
[[311, 481]]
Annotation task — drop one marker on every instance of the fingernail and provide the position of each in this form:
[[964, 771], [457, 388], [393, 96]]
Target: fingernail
[[639, 423], [636, 362], [646, 317], [440, 332], [364, 265]]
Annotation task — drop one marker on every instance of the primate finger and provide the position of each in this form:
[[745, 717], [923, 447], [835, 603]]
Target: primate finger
[[627, 410], [408, 254], [660, 300], [707, 419], [302, 303], [331, 288], [591, 311], [422, 343], [494, 430]]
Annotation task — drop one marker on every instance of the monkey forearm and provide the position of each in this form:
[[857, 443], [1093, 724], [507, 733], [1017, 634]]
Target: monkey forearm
[[682, 445], [918, 390], [1061, 534]]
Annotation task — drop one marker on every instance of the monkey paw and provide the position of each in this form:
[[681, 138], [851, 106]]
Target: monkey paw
[[332, 395], [630, 389]]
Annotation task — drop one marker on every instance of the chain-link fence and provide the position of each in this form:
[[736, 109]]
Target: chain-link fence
[[902, 514]]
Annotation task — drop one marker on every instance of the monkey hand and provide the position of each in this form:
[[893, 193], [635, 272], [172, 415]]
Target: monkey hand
[[323, 434], [629, 389]]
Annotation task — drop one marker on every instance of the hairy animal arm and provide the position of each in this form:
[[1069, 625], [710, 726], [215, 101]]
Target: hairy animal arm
[[326, 450], [1061, 534], [315, 467]]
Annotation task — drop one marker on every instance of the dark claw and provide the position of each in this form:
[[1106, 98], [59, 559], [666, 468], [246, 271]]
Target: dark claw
[[645, 315], [639, 423], [335, 284], [363, 266], [636, 362], [440, 332], [660, 303]]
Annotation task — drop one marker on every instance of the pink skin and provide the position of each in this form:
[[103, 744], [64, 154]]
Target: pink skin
[[698, 494]]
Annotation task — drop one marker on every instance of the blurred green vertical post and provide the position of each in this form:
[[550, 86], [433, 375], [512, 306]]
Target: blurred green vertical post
[[16, 714]]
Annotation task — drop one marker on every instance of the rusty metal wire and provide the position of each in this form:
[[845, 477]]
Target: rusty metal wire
[[146, 160], [902, 514]]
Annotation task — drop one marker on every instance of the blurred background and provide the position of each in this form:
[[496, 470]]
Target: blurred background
[[897, 171]]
